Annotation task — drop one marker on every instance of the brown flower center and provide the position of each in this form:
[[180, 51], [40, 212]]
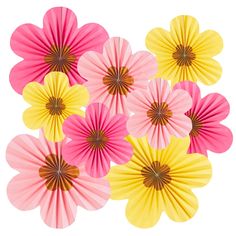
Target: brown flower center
[[55, 106], [97, 139], [159, 113], [118, 80], [184, 55], [196, 124], [156, 175], [57, 173], [60, 58]]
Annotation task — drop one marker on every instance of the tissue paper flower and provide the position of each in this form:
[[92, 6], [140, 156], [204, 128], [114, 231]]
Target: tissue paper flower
[[159, 113], [52, 103], [184, 53], [159, 180], [46, 180], [206, 114], [116, 73], [96, 140], [55, 47]]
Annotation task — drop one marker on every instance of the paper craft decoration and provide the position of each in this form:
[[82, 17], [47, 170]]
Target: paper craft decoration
[[52, 103], [55, 47], [159, 113], [83, 128], [46, 180], [154, 181], [116, 73], [206, 114], [184, 53], [97, 139]]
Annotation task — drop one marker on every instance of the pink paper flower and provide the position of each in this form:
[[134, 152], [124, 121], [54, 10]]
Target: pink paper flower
[[116, 73], [55, 47], [206, 113], [159, 113], [46, 180], [96, 140]]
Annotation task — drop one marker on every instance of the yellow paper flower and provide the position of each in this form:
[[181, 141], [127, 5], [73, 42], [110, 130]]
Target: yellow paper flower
[[159, 180], [184, 53], [52, 103]]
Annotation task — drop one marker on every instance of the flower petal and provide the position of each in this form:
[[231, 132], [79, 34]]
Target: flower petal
[[25, 191], [144, 209], [194, 171], [180, 203], [88, 192], [58, 208], [208, 44]]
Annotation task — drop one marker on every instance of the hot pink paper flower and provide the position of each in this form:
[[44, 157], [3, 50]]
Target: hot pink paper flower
[[96, 140], [159, 113], [46, 180], [206, 114], [116, 73], [55, 47]]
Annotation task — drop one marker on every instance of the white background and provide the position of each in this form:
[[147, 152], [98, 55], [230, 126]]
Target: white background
[[131, 20]]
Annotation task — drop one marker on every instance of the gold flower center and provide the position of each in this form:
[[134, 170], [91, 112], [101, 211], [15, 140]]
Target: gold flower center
[[196, 124], [156, 175], [60, 58], [97, 139], [57, 173], [118, 80], [55, 106], [184, 55], [159, 113]]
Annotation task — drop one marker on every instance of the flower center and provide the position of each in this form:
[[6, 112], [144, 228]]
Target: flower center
[[97, 139], [57, 173], [55, 106], [196, 124], [60, 58], [159, 113], [118, 80], [184, 55], [156, 175]]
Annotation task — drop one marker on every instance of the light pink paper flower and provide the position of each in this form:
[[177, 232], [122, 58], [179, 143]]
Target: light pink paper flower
[[159, 113], [116, 73], [206, 114], [46, 180], [96, 140], [55, 47]]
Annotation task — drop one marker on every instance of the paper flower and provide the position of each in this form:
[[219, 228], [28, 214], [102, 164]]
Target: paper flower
[[46, 180], [116, 73], [184, 53], [159, 180], [55, 47], [96, 140], [52, 103], [159, 113], [206, 114]]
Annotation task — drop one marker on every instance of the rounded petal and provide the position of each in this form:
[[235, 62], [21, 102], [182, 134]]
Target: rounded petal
[[192, 89], [58, 208], [90, 193], [25, 153], [193, 171], [180, 203], [208, 70], [117, 52], [179, 101], [208, 44], [213, 108], [116, 128], [144, 209], [27, 71], [216, 138], [25, 191], [184, 30]]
